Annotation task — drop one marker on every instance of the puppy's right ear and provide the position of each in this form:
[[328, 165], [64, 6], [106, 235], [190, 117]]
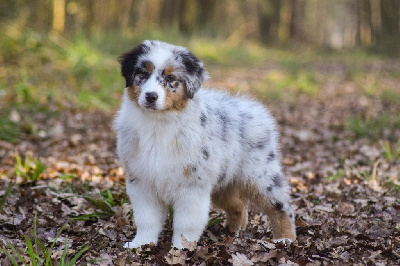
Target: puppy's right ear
[[129, 62]]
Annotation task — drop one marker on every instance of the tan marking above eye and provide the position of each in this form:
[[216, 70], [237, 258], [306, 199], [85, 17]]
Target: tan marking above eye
[[148, 66], [168, 71]]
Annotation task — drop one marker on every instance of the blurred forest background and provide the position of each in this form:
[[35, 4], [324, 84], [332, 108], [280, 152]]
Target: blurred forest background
[[323, 23], [77, 42]]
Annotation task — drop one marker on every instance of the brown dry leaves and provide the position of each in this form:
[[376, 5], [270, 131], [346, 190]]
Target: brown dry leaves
[[343, 215]]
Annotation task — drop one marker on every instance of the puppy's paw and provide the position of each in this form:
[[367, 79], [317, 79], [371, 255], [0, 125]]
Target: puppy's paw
[[137, 243], [131, 244], [282, 240], [177, 245], [184, 243]]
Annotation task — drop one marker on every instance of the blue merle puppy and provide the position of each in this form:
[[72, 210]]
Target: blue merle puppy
[[186, 146]]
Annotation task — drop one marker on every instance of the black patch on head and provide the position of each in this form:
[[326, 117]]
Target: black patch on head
[[144, 64], [269, 189], [191, 63], [277, 179], [203, 119], [195, 73], [278, 205], [129, 60], [270, 157], [205, 152], [194, 169]]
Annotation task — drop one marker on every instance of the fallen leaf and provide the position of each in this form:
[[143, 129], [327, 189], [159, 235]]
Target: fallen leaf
[[264, 256], [176, 256], [240, 259]]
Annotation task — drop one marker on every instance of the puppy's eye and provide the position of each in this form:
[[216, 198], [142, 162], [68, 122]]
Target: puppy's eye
[[170, 78], [142, 75]]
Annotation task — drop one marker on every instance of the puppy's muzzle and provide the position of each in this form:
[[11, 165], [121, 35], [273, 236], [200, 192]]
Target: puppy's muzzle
[[151, 97]]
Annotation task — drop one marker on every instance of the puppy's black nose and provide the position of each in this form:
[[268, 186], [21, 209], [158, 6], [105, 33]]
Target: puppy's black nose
[[151, 97]]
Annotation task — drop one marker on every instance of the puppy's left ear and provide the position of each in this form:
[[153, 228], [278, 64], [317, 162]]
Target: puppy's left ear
[[195, 73], [129, 61]]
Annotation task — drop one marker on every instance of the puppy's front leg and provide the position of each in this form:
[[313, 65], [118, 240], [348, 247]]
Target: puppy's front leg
[[149, 215], [190, 216]]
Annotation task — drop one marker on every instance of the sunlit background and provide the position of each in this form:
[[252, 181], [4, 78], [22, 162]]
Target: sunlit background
[[323, 23], [53, 46]]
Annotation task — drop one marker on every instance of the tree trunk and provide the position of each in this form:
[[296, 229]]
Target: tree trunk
[[58, 15]]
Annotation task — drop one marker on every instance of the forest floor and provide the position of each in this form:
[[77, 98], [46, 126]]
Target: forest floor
[[340, 130]]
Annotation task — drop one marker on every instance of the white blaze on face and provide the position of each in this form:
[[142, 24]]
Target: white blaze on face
[[158, 56], [152, 86]]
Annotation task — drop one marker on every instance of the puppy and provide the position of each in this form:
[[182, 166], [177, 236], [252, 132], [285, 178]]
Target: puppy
[[186, 146]]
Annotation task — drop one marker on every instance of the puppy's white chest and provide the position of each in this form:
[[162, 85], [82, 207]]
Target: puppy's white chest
[[159, 156]]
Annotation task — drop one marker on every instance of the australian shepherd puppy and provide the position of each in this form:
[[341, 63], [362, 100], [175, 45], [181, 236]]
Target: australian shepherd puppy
[[188, 147]]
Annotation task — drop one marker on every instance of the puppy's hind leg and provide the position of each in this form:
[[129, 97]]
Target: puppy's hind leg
[[282, 221], [274, 200], [231, 201]]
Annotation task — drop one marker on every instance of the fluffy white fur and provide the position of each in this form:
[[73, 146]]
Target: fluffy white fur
[[185, 157]]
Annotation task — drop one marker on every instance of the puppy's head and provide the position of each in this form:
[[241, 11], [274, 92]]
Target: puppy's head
[[160, 76]]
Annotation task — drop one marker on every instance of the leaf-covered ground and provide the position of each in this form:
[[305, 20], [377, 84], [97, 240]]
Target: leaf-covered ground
[[338, 150]]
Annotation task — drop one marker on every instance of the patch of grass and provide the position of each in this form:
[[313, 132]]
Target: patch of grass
[[9, 130], [367, 84], [378, 127], [25, 92], [51, 70], [215, 220], [389, 151], [278, 83], [316, 202], [95, 74], [29, 168], [38, 253], [390, 97], [393, 185], [105, 203], [340, 173], [221, 52], [67, 176]]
